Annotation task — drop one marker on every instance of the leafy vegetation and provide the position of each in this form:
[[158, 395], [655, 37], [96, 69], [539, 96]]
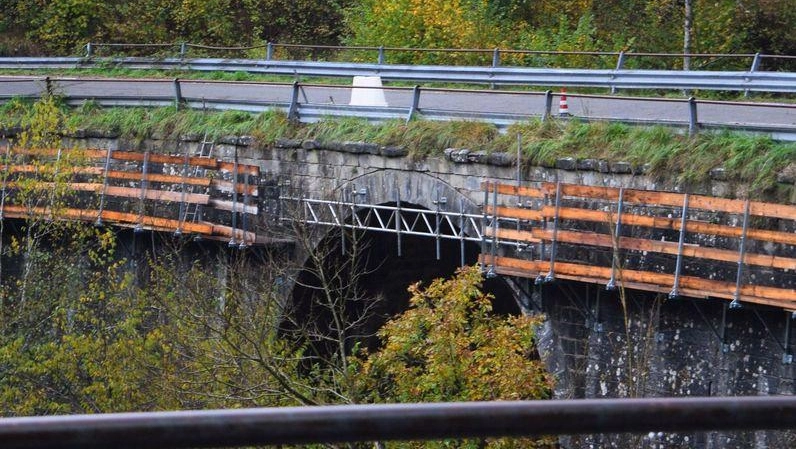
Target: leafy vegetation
[[449, 347], [724, 26]]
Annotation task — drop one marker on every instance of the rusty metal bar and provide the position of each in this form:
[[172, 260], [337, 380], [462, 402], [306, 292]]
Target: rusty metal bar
[[680, 243], [617, 235], [741, 253], [398, 223], [140, 227], [554, 243], [329, 424]]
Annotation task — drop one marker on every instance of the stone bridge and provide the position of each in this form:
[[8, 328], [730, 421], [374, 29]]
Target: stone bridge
[[648, 290]]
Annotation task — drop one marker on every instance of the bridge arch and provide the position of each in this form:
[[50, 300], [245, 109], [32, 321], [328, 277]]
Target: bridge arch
[[392, 263]]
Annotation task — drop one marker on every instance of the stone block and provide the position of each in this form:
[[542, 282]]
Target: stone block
[[587, 164], [478, 157], [788, 174], [193, 137], [566, 163], [394, 151], [501, 159], [458, 155], [621, 167], [287, 143], [718, 174], [310, 145]]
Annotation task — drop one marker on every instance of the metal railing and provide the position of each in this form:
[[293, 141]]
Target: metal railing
[[314, 102], [494, 57], [352, 423], [743, 81]]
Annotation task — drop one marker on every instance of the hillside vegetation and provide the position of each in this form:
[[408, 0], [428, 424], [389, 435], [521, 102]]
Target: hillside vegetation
[[752, 160], [723, 26]]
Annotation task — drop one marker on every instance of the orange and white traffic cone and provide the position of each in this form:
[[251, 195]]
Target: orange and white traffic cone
[[563, 109]]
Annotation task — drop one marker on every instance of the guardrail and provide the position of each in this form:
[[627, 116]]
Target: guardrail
[[489, 56], [744, 81], [313, 102], [353, 423]]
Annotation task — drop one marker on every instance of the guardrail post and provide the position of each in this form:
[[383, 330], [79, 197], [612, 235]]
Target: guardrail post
[[381, 55], [269, 51], [177, 94], [292, 113], [182, 50], [89, 50], [496, 57], [415, 103], [48, 86], [620, 63], [693, 123], [548, 105]]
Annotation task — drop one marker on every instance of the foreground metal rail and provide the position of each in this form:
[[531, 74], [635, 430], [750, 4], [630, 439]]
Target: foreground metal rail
[[746, 81], [328, 424]]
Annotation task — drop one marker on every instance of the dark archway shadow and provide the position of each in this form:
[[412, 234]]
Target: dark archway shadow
[[386, 276]]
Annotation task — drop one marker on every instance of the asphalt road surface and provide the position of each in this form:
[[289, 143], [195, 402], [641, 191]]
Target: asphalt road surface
[[484, 101]]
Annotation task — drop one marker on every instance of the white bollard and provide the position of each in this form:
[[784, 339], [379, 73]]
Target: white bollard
[[367, 92]]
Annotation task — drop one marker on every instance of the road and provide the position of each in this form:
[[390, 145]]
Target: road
[[450, 101]]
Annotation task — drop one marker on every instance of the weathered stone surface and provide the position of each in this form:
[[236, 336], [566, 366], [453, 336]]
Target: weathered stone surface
[[718, 174], [501, 159], [191, 137], [310, 144], [227, 140], [478, 157], [458, 155], [245, 141], [587, 164], [360, 148], [566, 163], [621, 167], [287, 143], [603, 166], [788, 174], [394, 151], [101, 134]]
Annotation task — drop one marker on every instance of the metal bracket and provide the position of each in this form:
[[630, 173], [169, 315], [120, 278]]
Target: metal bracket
[[139, 227], [617, 235], [491, 272], [553, 245], [678, 269], [232, 241], [736, 304], [414, 108]]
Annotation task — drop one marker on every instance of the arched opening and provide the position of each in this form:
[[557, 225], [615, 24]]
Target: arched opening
[[384, 269]]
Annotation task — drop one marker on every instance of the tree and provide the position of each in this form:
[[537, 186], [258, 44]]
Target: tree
[[448, 347]]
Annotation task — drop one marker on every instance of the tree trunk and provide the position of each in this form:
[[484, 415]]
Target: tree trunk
[[688, 31]]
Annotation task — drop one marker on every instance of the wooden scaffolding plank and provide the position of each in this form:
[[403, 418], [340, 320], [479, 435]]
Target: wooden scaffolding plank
[[698, 227], [130, 192], [507, 189], [227, 206], [514, 212], [512, 234], [90, 215], [227, 186], [671, 248], [709, 287], [669, 199], [155, 158]]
